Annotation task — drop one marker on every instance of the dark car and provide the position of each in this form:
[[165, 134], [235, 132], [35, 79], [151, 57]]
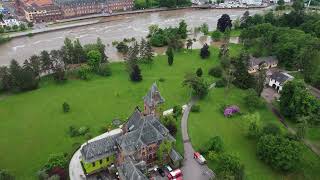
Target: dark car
[[161, 172]]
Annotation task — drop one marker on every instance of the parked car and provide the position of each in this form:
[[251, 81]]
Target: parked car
[[175, 175], [168, 168], [198, 157], [161, 172]]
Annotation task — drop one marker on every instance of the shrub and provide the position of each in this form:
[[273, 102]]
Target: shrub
[[177, 111], [83, 130], [6, 175], [162, 80], [195, 108], [84, 72], [73, 132], [279, 152], [56, 160], [104, 70], [170, 124], [216, 35], [65, 107], [42, 174], [271, 129], [231, 110], [216, 72], [199, 72], [228, 165], [252, 100], [221, 83], [216, 144]]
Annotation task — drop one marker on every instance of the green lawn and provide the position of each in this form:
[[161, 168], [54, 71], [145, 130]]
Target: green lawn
[[210, 122], [32, 124]]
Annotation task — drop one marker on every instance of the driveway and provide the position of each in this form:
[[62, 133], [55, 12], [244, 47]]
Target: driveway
[[191, 169]]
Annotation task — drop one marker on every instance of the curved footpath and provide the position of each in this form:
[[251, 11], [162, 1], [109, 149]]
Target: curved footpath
[[191, 169]]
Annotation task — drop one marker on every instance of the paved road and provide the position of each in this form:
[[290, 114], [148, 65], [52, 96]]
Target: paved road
[[191, 169]]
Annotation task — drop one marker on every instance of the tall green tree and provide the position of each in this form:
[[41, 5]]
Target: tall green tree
[[198, 85], [224, 22], [182, 30], [243, 79], [79, 54], [170, 55], [94, 59]]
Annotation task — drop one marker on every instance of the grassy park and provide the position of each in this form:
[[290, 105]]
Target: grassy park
[[233, 133], [33, 125]]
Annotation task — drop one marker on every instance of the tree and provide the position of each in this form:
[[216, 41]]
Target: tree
[[56, 160], [224, 23], [5, 79], [302, 127], [198, 85], [298, 5], [189, 43], [199, 72], [30, 24], [216, 35], [79, 54], [28, 79], [243, 79], [46, 63], [271, 129], [15, 27], [182, 30], [252, 100], [164, 151], [216, 71], [22, 27], [6, 175], [15, 72], [94, 59], [65, 107], [148, 53], [280, 2], [279, 152], [35, 63], [170, 55], [68, 52], [168, 3], [84, 72], [215, 144], [296, 101], [204, 28], [102, 48], [228, 166], [204, 52], [260, 81], [170, 123], [135, 75], [177, 111], [254, 130]]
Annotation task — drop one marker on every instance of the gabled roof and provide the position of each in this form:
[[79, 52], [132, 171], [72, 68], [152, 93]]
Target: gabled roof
[[153, 97], [134, 120], [253, 61], [143, 135], [130, 171], [99, 149], [281, 77]]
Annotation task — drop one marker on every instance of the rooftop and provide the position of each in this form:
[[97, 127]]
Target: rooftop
[[153, 97], [281, 77], [253, 61]]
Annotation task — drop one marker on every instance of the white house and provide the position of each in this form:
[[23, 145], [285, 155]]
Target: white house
[[252, 2], [278, 79]]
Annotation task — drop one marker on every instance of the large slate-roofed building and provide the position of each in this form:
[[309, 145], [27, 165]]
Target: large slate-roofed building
[[135, 145]]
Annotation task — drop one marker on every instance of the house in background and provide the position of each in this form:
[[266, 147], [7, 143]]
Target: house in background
[[278, 79], [263, 62]]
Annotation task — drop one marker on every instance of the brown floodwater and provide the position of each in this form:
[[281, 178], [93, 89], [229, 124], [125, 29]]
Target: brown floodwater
[[125, 27]]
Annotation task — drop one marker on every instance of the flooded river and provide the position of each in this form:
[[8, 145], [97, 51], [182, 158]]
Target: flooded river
[[126, 27]]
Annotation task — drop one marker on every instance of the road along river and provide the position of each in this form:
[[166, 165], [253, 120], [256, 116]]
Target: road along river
[[126, 27]]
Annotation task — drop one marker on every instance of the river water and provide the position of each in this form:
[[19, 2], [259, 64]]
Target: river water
[[126, 27]]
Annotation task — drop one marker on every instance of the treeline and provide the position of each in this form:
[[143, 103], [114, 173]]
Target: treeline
[[168, 36], [17, 78], [293, 38], [142, 4]]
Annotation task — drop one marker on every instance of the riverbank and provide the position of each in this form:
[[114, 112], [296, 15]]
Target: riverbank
[[94, 19]]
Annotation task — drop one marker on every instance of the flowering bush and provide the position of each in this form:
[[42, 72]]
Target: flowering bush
[[231, 110]]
